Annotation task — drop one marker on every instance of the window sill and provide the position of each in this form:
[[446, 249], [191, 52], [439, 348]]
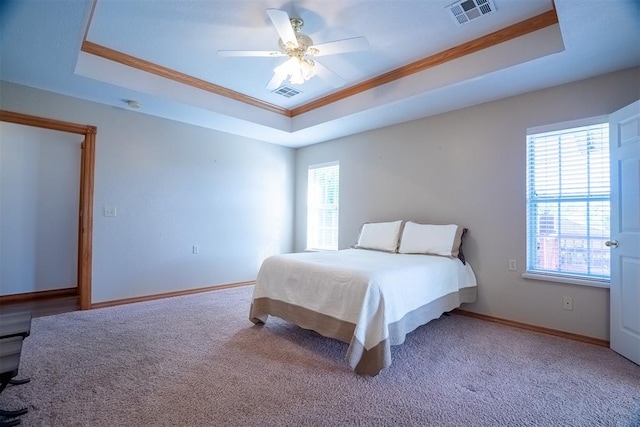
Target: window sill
[[569, 280]]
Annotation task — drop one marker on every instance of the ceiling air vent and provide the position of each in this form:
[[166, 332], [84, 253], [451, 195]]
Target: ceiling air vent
[[467, 10], [286, 91]]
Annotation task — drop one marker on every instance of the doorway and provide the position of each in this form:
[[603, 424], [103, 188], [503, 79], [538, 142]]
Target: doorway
[[86, 184]]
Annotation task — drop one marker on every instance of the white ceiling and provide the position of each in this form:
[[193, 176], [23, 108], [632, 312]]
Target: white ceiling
[[41, 46]]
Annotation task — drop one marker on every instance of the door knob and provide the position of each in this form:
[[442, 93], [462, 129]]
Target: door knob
[[611, 243]]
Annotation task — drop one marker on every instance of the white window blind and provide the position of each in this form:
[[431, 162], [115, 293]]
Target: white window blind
[[323, 206], [568, 198]]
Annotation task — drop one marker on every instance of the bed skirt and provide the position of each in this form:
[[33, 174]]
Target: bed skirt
[[362, 360]]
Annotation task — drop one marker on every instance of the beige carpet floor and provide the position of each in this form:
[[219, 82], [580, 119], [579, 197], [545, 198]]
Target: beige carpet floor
[[198, 361]]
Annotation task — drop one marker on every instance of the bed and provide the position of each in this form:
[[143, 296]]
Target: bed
[[368, 298]]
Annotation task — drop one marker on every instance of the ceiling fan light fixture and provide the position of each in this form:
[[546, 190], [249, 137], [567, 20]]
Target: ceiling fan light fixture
[[308, 69], [301, 66], [296, 70]]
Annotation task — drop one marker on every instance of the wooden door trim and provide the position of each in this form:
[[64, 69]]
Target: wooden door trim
[[87, 166]]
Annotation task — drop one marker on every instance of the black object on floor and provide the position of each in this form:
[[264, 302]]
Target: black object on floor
[[14, 328]]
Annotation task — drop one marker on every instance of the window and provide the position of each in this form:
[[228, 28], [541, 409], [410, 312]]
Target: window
[[322, 206], [568, 202]]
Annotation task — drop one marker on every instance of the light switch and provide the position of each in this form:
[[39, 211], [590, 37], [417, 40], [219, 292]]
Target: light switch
[[109, 211]]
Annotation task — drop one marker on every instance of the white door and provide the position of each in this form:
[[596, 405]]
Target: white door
[[624, 140]]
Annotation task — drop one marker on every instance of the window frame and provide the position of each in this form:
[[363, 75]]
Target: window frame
[[336, 208], [558, 277]]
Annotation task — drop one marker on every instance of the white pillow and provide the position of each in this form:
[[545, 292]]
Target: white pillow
[[431, 239], [381, 236]]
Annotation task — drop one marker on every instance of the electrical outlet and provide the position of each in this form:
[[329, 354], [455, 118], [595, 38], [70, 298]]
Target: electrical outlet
[[513, 265], [196, 249], [567, 303]]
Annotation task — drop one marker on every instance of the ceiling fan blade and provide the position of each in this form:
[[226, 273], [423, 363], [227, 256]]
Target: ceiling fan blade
[[340, 46], [283, 26], [260, 53], [326, 74], [275, 82]]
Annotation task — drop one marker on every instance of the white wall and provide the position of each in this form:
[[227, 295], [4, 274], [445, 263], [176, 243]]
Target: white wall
[[174, 186], [39, 192], [468, 167]]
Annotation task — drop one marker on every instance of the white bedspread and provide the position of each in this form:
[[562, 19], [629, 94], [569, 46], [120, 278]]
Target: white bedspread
[[367, 288]]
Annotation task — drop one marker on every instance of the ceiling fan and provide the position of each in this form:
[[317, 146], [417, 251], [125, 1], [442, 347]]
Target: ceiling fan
[[301, 51]]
